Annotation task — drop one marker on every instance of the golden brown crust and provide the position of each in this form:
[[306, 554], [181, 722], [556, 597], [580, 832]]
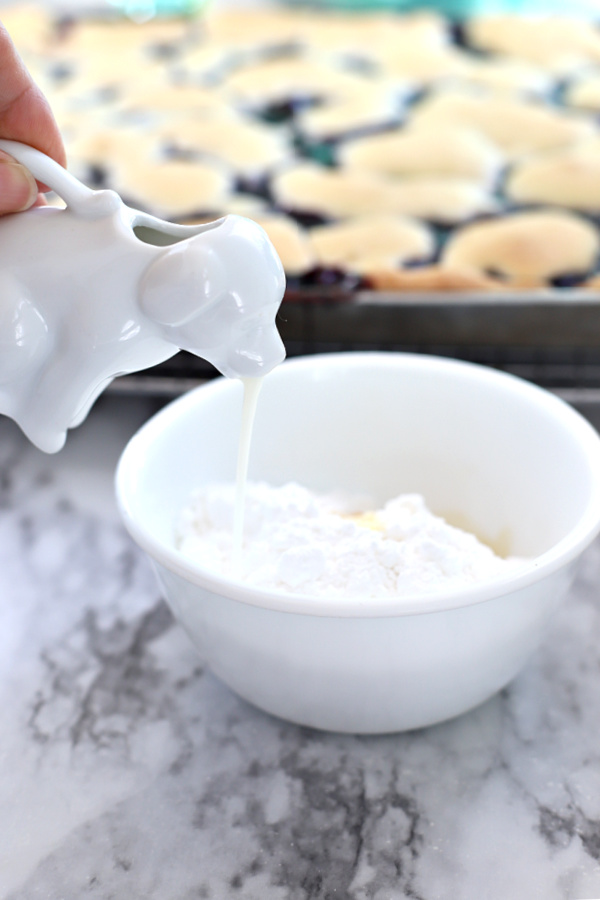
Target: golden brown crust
[[419, 152], [138, 104], [246, 146], [569, 177], [562, 43], [591, 284], [584, 93], [346, 193], [174, 187], [354, 243], [527, 248], [433, 279], [290, 241], [517, 125]]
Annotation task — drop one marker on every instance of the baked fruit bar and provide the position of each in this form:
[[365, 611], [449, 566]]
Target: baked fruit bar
[[379, 150]]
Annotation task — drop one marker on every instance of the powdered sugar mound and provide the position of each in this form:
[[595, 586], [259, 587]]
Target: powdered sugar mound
[[326, 545]]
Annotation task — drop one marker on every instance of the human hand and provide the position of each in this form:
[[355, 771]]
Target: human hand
[[24, 116]]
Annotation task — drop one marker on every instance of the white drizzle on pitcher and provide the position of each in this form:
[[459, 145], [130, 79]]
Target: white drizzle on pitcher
[[252, 388]]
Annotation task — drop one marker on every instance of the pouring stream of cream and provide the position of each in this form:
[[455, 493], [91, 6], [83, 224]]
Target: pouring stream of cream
[[252, 388]]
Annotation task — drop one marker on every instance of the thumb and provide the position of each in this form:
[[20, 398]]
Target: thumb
[[18, 187]]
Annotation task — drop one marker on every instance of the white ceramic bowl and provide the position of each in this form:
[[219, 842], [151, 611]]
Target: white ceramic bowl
[[517, 465]]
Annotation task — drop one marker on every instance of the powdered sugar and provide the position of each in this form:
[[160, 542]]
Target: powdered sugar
[[327, 545]]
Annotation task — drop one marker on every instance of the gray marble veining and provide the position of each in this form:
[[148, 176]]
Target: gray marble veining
[[127, 771]]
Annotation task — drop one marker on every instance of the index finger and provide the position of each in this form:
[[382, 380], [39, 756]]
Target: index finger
[[25, 114]]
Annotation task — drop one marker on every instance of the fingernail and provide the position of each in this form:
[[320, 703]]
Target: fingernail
[[18, 187]]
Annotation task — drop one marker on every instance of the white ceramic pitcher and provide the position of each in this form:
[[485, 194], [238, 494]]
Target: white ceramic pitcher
[[98, 289]]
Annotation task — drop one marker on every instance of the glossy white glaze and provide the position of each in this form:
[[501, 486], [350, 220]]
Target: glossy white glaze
[[98, 289]]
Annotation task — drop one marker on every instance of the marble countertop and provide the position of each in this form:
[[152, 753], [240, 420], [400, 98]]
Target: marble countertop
[[128, 771]]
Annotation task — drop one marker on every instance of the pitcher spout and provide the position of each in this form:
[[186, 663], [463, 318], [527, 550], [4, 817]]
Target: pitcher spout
[[217, 294], [114, 290]]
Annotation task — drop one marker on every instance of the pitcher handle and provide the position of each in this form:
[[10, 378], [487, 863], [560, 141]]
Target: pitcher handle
[[88, 203], [49, 172]]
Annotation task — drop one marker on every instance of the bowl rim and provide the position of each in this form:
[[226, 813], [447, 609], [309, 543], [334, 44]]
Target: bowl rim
[[546, 564]]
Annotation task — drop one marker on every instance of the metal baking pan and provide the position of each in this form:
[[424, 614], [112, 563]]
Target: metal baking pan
[[551, 338], [568, 318]]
